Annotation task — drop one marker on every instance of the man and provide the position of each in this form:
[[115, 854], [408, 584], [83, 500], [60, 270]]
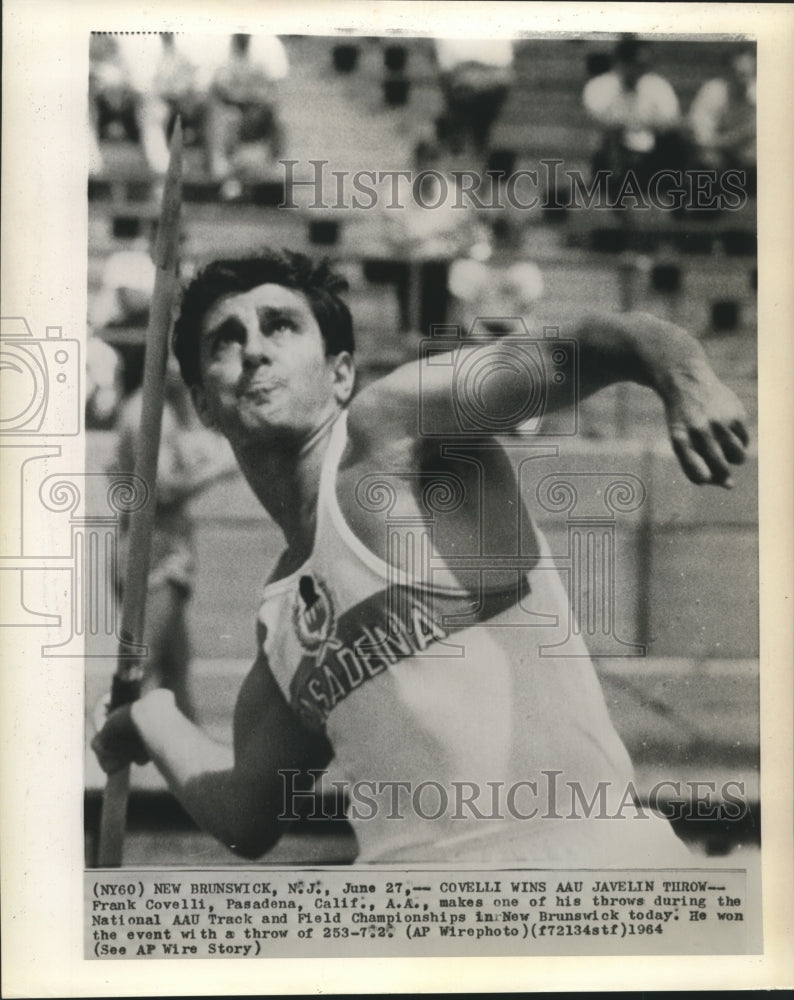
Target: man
[[722, 117], [380, 648], [639, 113], [168, 74], [475, 78], [242, 111]]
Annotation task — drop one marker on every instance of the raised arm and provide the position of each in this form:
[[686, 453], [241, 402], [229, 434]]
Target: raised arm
[[236, 794], [706, 421]]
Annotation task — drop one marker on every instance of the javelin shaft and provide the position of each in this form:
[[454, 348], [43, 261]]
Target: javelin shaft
[[129, 671]]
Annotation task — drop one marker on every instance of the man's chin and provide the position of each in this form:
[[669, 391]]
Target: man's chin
[[264, 429], [258, 412], [262, 426]]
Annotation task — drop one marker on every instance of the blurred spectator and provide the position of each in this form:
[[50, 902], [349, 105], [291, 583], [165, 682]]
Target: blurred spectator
[[639, 113], [111, 98], [126, 284], [475, 78], [490, 285], [170, 75], [103, 383], [223, 87], [425, 235], [495, 293], [242, 114], [435, 222], [190, 459], [723, 117]]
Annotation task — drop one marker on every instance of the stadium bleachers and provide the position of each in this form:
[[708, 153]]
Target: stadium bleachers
[[334, 116]]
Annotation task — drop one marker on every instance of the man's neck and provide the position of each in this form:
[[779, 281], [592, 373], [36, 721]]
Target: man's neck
[[286, 481]]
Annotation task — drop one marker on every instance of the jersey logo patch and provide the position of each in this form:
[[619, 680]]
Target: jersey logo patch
[[313, 613]]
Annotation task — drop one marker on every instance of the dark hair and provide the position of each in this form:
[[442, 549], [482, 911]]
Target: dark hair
[[240, 274]]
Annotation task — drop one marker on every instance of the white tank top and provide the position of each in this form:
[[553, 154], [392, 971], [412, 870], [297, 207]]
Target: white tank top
[[481, 733]]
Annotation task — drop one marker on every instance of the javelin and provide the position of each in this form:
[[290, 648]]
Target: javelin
[[129, 671]]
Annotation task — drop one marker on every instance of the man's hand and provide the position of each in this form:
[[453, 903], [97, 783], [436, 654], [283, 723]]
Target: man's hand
[[118, 743], [707, 425], [705, 420]]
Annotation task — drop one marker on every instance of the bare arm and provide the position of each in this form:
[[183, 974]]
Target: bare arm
[[705, 419], [236, 794]]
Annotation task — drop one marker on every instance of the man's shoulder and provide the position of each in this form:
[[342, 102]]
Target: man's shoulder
[[376, 443], [372, 444], [378, 421]]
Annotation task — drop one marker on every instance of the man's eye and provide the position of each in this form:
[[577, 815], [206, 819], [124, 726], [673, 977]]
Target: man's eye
[[277, 325], [225, 337]]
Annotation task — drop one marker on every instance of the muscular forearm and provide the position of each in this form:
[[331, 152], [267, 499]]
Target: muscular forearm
[[202, 776], [635, 347], [484, 384], [492, 377]]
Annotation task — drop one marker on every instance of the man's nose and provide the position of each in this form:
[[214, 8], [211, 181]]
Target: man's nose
[[256, 347]]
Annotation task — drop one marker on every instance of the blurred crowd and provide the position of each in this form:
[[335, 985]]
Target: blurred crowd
[[645, 130], [225, 89]]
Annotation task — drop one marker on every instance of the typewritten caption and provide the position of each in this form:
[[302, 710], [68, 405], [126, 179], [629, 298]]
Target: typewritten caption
[[256, 914]]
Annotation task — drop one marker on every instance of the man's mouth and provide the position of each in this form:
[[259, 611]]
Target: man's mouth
[[259, 389]]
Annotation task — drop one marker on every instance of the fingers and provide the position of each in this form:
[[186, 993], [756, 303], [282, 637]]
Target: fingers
[[733, 440], [118, 743], [109, 762], [738, 428], [708, 448], [707, 429], [696, 470], [100, 713], [706, 454], [113, 760]]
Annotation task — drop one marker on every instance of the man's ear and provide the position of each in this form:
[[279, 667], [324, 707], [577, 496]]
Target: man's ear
[[201, 403], [344, 373]]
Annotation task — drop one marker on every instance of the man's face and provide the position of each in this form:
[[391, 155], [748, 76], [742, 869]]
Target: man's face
[[265, 374]]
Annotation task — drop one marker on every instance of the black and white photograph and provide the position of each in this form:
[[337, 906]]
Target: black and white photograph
[[385, 497]]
